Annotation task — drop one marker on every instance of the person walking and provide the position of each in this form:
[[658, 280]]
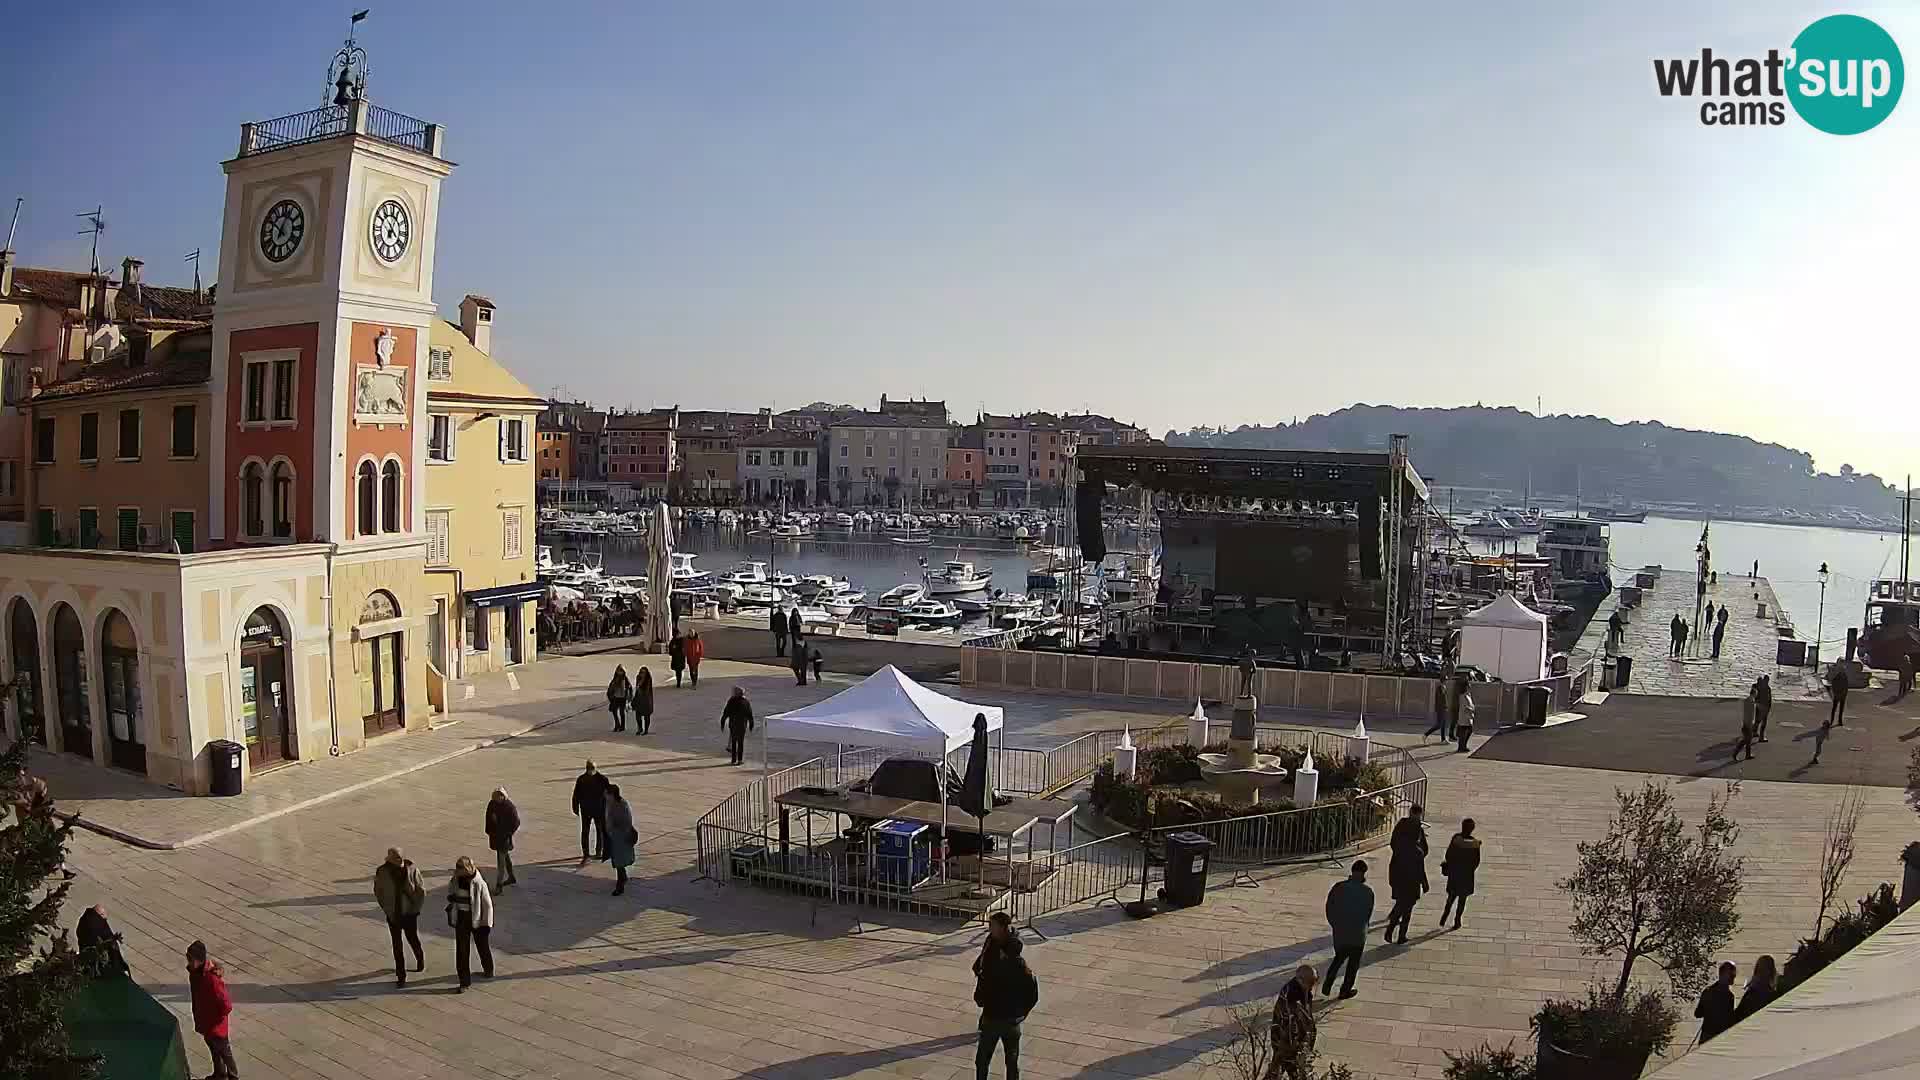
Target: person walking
[[1458, 866], [1440, 713], [1838, 686], [503, 820], [212, 1006], [796, 628], [1686, 632], [619, 691], [1616, 629], [777, 622], [1756, 569], [401, 893], [1006, 991], [736, 719], [1760, 989], [470, 913], [1905, 667], [621, 837], [677, 656], [1762, 704], [95, 932], [1675, 633], [817, 660], [590, 802], [1463, 728], [696, 651], [643, 701], [1747, 732], [1715, 1008], [1709, 617], [1293, 1030], [1719, 633], [1349, 910], [799, 663], [1407, 870]]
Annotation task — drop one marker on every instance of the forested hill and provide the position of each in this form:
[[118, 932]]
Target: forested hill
[[1604, 461]]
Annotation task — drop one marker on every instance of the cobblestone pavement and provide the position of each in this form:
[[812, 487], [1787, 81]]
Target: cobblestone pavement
[[688, 980], [1747, 652]]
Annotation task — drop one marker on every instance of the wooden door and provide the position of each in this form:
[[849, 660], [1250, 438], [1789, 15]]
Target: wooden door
[[263, 705], [383, 685]]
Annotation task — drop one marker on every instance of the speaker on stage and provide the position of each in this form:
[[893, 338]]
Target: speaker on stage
[[1086, 510]]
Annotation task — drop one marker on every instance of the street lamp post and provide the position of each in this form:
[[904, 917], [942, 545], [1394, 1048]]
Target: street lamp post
[[1820, 621]]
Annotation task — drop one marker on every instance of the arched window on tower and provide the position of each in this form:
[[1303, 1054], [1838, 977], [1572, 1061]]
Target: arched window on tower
[[282, 500], [390, 497], [252, 497], [367, 492]]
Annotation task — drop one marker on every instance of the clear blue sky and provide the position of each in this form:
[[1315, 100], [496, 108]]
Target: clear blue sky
[[1213, 213]]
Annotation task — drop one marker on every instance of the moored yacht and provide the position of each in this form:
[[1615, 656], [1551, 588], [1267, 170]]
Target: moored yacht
[[956, 578]]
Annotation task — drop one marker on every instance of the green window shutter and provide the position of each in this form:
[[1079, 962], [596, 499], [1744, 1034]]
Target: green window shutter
[[43, 527], [89, 529], [183, 530], [129, 530]]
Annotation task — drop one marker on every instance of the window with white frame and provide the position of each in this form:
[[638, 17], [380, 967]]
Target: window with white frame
[[440, 429], [439, 364], [270, 390], [439, 533], [513, 439], [510, 533], [799, 457]]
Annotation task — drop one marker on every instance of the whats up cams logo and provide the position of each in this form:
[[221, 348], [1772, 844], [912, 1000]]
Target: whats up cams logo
[[1842, 75]]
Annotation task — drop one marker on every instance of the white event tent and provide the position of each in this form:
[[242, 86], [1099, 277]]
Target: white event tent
[[1506, 639], [1854, 1019]]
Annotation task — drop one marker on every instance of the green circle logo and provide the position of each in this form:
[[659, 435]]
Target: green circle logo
[[1847, 75]]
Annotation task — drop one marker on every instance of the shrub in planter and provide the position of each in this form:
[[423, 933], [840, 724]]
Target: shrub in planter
[[1847, 930], [1487, 1063], [1601, 1038], [1170, 765]]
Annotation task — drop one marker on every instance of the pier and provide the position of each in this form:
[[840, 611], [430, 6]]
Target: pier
[[1748, 651]]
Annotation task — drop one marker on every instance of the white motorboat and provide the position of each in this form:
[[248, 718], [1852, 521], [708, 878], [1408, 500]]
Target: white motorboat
[[629, 586], [792, 531], [843, 521], [902, 596], [747, 573], [760, 594], [890, 521], [913, 539], [957, 578], [841, 602], [932, 613], [543, 563], [684, 574], [728, 519], [814, 618], [863, 520], [783, 580], [1011, 609]]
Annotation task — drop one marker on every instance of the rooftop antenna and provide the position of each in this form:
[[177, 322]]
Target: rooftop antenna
[[194, 258], [11, 229], [95, 225]]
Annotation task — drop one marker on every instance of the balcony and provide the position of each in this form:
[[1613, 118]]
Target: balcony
[[333, 121]]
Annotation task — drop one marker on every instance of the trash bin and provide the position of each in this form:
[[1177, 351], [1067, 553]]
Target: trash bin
[[1607, 675], [223, 761], [1622, 671], [1539, 700], [1187, 855]]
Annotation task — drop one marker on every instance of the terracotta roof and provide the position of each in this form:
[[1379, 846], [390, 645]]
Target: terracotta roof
[[869, 419], [61, 288], [799, 440], [188, 363], [639, 422]]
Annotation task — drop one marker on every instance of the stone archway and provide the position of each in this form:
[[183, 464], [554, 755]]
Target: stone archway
[[266, 693], [23, 647]]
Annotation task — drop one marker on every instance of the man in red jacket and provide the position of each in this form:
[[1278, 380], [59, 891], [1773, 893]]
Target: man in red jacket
[[211, 1007]]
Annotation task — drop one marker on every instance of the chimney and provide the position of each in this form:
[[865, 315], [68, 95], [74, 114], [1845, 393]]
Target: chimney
[[130, 285], [476, 321]]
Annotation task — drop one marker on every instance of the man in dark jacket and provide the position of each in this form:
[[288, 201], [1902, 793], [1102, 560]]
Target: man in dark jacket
[[1716, 1006], [1676, 633], [590, 802], [95, 932], [503, 820], [1719, 632], [799, 662], [1762, 704], [400, 891], [1407, 872], [737, 719], [777, 622], [1006, 992], [1349, 909], [796, 627]]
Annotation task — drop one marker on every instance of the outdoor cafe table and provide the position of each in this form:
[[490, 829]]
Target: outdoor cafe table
[[1011, 821]]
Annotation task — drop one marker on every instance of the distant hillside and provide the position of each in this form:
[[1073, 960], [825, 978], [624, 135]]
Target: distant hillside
[[1602, 460]]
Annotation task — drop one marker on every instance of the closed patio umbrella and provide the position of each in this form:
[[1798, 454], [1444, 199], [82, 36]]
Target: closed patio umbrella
[[659, 578]]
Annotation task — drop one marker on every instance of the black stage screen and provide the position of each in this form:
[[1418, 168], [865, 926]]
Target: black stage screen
[[1279, 559]]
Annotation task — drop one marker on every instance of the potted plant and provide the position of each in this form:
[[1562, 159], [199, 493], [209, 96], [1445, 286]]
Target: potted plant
[[1650, 888]]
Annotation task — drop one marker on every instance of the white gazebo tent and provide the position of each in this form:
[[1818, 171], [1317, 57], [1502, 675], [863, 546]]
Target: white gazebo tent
[[1506, 639]]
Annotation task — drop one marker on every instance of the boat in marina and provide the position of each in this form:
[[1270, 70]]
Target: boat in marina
[[783, 580], [814, 584], [901, 596], [932, 613], [913, 539], [747, 573], [843, 521], [683, 572], [792, 530], [841, 602], [760, 594], [957, 578]]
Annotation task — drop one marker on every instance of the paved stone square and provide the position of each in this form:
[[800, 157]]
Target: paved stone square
[[685, 979]]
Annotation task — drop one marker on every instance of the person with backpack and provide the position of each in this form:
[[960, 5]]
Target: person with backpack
[[1006, 992], [1349, 910]]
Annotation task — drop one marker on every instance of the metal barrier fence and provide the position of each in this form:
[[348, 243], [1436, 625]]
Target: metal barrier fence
[[736, 838]]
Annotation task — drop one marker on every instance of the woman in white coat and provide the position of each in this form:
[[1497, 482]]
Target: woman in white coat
[[470, 913]]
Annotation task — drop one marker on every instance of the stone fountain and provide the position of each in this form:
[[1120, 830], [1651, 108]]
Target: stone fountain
[[1240, 773]]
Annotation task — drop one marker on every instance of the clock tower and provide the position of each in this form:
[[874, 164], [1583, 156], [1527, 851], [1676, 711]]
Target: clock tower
[[325, 302]]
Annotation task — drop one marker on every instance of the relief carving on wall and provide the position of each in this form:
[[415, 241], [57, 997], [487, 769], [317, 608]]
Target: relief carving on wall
[[380, 395]]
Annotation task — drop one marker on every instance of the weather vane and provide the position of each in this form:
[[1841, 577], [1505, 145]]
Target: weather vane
[[347, 74]]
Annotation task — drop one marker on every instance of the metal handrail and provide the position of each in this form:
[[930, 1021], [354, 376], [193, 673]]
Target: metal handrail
[[330, 121]]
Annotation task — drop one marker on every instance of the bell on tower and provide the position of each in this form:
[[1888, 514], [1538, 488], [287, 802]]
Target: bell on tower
[[348, 72]]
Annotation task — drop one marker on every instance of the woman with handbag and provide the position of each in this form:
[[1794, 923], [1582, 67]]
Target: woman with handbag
[[470, 914], [621, 837]]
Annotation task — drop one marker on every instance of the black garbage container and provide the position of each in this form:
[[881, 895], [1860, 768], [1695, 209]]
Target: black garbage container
[[1539, 700], [1187, 855], [1622, 671], [223, 764]]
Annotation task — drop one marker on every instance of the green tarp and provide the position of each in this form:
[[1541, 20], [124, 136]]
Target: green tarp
[[137, 1036]]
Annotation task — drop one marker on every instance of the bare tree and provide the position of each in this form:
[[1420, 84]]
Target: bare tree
[[1649, 889], [1836, 852]]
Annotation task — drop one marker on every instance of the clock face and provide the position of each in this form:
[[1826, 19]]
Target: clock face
[[281, 230], [391, 230]]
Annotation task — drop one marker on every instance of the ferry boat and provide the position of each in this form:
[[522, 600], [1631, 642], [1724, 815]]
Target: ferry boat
[[1890, 623]]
